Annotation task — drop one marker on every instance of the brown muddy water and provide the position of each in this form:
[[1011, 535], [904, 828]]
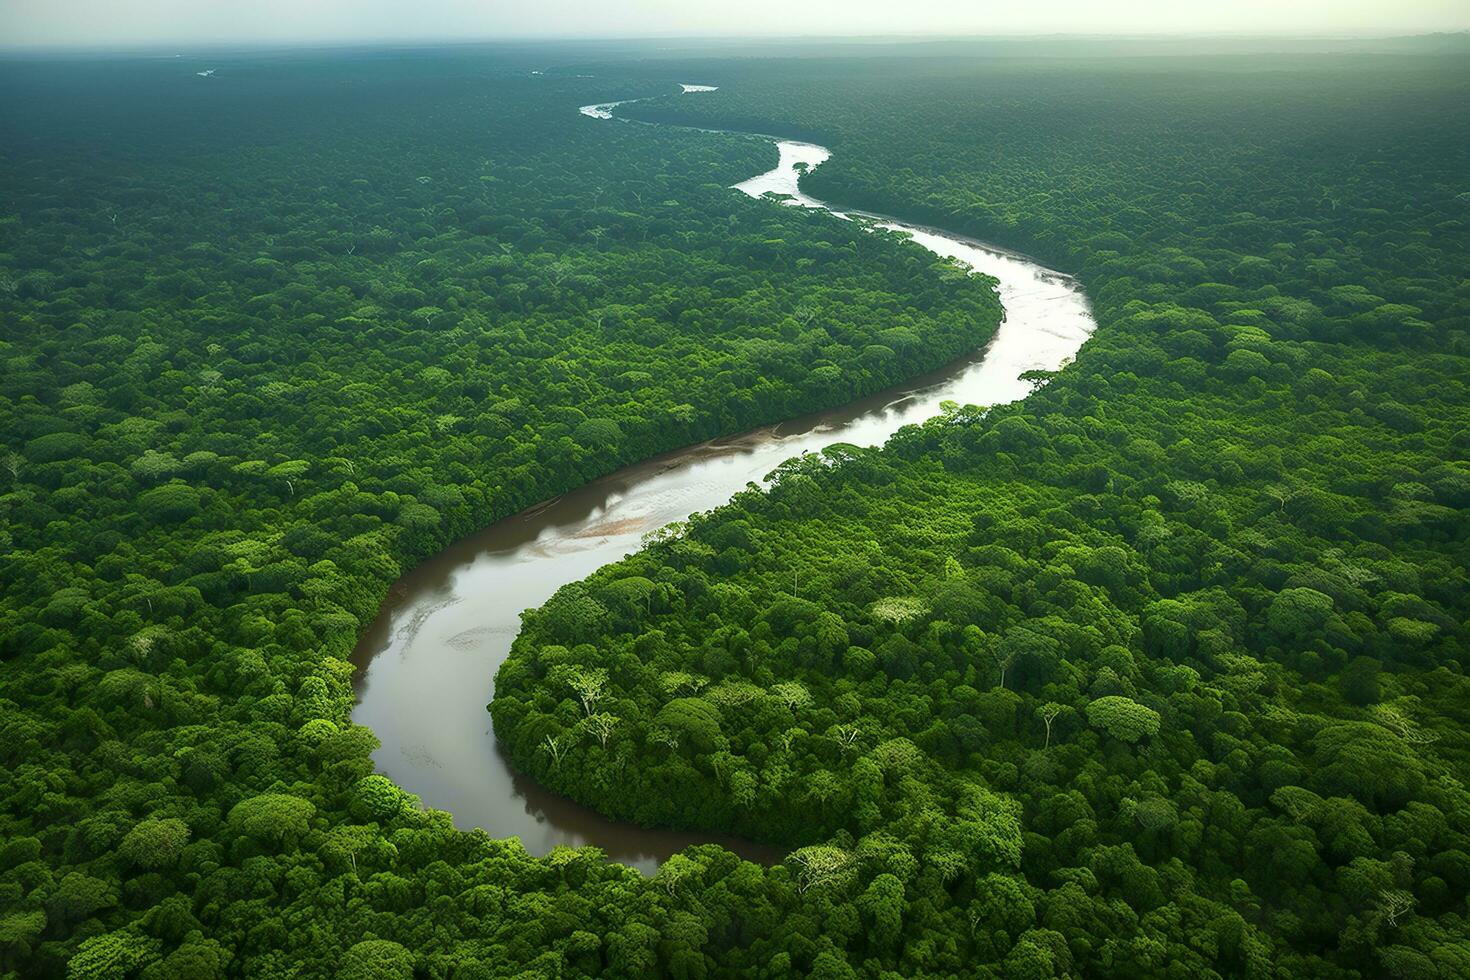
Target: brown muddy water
[[426, 665]]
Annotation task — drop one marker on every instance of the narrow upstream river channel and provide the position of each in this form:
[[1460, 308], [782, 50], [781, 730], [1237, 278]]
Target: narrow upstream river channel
[[426, 666]]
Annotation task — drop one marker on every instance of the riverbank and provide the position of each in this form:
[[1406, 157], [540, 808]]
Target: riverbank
[[449, 624]]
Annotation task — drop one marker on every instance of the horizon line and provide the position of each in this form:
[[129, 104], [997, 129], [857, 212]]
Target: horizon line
[[173, 47]]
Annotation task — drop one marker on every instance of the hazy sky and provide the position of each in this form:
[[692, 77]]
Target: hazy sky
[[27, 23]]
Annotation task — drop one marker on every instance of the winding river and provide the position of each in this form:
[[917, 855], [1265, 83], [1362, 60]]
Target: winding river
[[427, 663]]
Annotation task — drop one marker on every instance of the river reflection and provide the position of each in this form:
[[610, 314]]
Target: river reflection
[[427, 663]]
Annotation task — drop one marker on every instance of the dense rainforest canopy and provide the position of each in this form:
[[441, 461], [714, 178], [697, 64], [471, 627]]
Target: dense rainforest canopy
[[1158, 673], [272, 336]]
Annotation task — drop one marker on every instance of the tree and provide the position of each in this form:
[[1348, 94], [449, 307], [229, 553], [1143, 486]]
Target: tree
[[1037, 378], [598, 434], [272, 817], [822, 786], [733, 694], [589, 686], [573, 615], [897, 609], [1394, 903], [820, 865], [154, 465], [196, 958], [831, 633], [19, 931], [377, 959], [1395, 720], [677, 681], [78, 896], [793, 694], [1048, 713], [154, 843], [555, 746], [377, 798], [693, 721], [602, 725], [677, 869], [847, 736], [1366, 761], [897, 755], [351, 840], [56, 446], [1004, 660], [634, 593], [1123, 718], [1243, 364], [112, 954], [667, 737], [1030, 649], [1298, 613], [170, 502], [883, 907]]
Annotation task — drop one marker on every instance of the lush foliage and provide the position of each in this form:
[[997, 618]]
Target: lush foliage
[[268, 338], [1160, 672]]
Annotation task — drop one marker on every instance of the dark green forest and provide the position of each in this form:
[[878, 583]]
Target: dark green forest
[[1160, 672]]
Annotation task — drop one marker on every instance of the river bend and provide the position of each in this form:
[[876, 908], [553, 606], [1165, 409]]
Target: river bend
[[426, 665]]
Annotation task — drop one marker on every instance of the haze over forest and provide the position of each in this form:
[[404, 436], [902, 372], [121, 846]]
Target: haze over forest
[[106, 23]]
